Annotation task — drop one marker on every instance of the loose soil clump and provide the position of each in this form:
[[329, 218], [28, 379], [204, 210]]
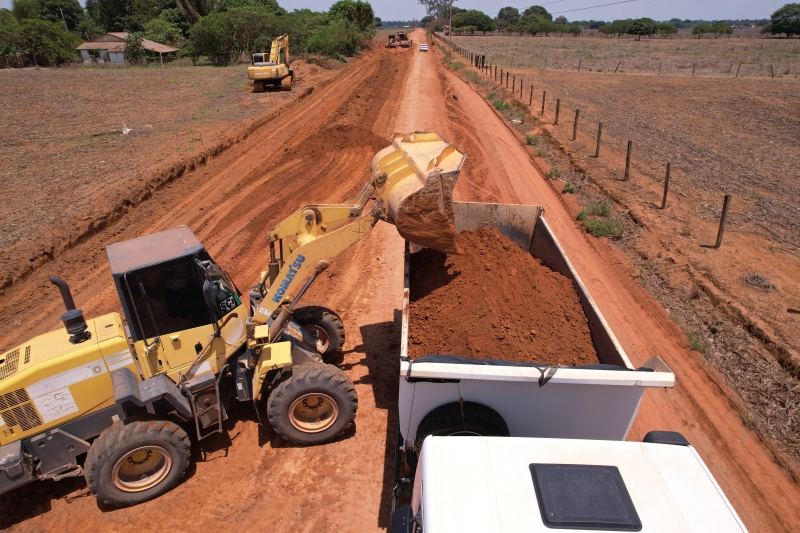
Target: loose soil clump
[[495, 302]]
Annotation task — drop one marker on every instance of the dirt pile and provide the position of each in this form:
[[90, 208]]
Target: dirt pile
[[495, 302]]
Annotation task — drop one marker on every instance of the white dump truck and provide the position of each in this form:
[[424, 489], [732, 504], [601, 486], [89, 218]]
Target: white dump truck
[[448, 394], [515, 485]]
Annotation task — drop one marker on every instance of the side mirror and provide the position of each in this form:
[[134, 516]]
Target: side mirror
[[402, 520]]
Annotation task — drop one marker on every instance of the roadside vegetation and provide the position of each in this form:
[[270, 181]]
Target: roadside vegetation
[[46, 32]]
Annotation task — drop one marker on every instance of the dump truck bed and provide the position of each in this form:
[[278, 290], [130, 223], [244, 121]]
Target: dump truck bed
[[588, 402]]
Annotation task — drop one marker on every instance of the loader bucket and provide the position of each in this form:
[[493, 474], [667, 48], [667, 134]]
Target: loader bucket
[[415, 179]]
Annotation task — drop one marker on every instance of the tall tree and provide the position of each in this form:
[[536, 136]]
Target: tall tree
[[720, 28], [358, 12], [68, 12], [535, 12], [26, 9], [507, 16], [642, 26], [666, 29], [787, 20]]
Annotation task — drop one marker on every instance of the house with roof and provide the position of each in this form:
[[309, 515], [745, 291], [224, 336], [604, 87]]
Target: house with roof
[[112, 47]]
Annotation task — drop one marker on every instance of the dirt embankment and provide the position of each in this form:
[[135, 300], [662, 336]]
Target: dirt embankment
[[478, 306]]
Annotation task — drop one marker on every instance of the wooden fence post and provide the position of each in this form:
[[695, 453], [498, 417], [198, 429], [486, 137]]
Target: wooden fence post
[[575, 127], [506, 80], [599, 135], [544, 95], [616, 69], [772, 70], [737, 70], [628, 161], [514, 84], [558, 109], [659, 69], [722, 220], [666, 188], [693, 69], [530, 102]]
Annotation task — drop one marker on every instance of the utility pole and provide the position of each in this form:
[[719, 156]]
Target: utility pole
[[63, 19], [451, 24]]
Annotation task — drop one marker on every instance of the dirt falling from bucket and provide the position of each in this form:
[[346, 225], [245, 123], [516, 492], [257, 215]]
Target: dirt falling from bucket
[[495, 301], [426, 216]]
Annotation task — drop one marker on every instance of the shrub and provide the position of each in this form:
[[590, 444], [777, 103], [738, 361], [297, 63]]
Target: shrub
[[568, 187], [532, 140], [602, 209], [501, 106], [339, 37], [582, 215], [554, 173], [605, 227], [686, 231], [47, 43], [697, 343], [472, 76], [164, 32]]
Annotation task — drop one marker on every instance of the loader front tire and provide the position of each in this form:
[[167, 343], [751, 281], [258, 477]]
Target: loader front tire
[[451, 420], [316, 404], [132, 463], [325, 325]]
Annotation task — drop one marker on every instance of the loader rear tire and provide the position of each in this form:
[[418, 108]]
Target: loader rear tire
[[132, 463], [316, 404], [450, 420], [324, 324]]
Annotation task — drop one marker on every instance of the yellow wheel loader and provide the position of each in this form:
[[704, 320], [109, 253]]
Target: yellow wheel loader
[[113, 399], [272, 70]]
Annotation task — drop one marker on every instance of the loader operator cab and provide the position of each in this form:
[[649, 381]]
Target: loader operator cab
[[173, 295]]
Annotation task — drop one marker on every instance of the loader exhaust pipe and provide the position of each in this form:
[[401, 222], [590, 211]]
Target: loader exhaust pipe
[[66, 295], [73, 318]]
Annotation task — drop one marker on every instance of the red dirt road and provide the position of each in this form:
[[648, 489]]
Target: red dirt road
[[253, 481]]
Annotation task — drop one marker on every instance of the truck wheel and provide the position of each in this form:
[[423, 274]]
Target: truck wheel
[[325, 325], [129, 464], [316, 404], [450, 420]]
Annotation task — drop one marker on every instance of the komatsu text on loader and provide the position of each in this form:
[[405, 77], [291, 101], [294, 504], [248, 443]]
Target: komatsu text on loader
[[112, 400], [272, 69]]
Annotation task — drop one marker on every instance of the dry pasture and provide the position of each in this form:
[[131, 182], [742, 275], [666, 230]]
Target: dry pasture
[[677, 56]]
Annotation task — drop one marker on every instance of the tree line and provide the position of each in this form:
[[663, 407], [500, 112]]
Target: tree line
[[537, 20], [46, 32]]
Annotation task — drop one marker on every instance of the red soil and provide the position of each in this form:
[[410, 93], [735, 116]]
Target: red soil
[[476, 306]]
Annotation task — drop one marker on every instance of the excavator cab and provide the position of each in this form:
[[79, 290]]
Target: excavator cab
[[175, 297]]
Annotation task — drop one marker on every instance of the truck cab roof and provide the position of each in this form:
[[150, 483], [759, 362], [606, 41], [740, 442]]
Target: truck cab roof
[[495, 484]]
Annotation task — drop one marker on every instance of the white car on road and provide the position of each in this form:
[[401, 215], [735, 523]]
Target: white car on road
[[423, 48]]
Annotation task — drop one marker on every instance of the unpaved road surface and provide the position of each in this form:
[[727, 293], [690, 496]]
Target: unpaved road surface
[[320, 152]]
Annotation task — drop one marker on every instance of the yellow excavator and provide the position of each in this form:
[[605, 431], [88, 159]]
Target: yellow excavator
[[272, 69], [112, 399]]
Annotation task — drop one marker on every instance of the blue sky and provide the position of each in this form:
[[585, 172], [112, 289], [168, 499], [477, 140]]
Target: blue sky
[[655, 9]]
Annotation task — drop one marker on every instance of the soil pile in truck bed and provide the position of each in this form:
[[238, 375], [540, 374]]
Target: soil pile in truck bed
[[495, 302]]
